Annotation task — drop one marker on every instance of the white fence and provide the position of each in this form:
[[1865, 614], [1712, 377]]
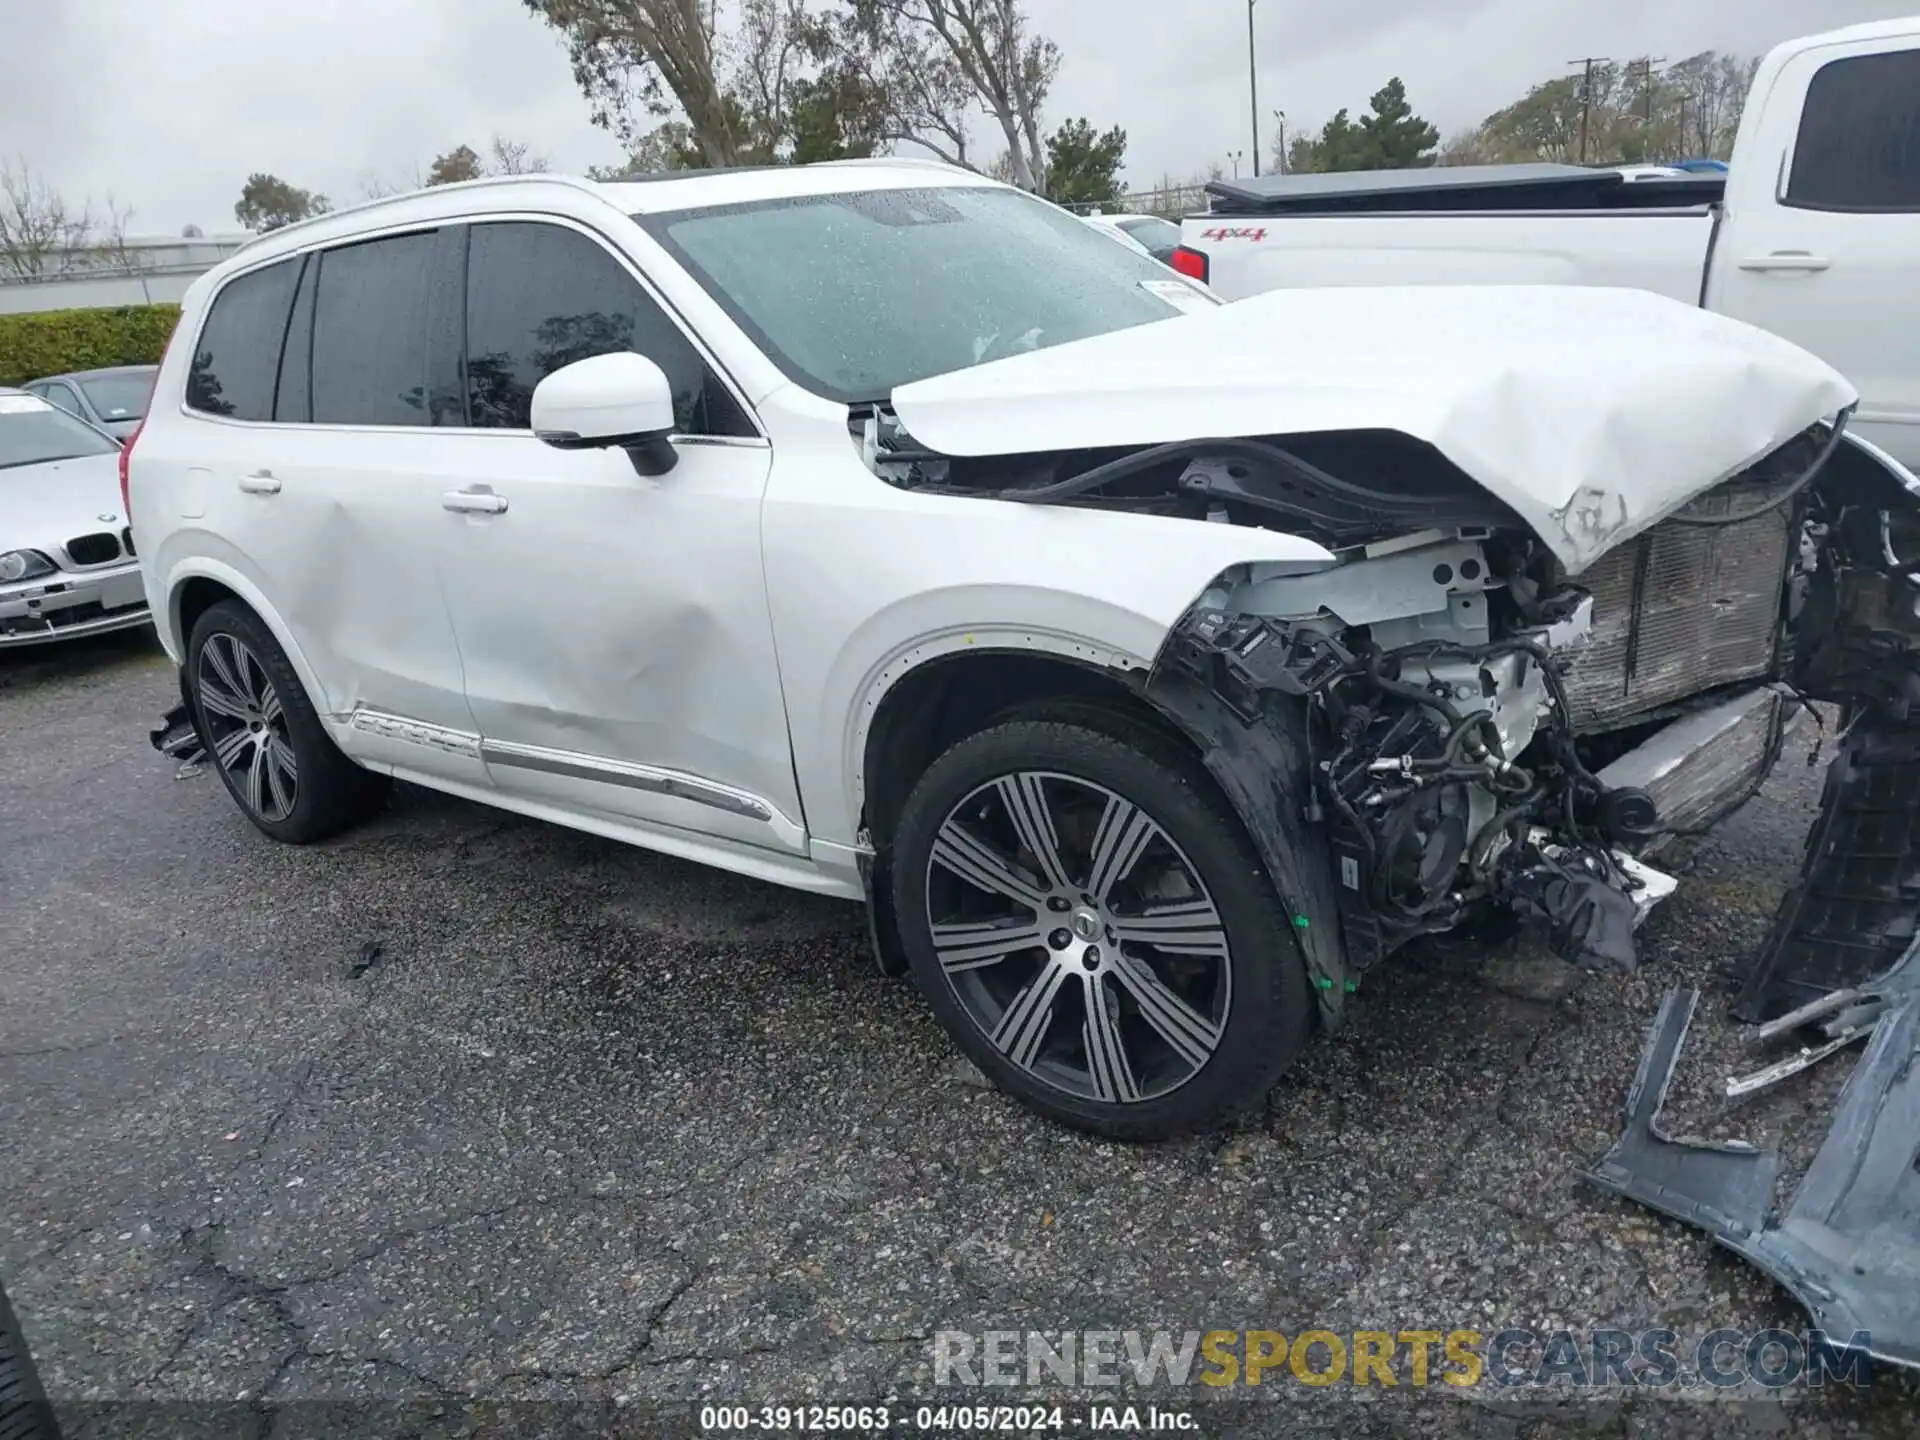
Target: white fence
[[144, 270]]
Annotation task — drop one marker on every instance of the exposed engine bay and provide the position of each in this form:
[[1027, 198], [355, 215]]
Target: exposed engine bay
[[1483, 730]]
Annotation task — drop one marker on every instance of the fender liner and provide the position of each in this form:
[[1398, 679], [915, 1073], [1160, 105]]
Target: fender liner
[[1262, 770]]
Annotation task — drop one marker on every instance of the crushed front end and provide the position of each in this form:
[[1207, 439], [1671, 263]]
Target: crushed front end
[[1484, 731], [1488, 704]]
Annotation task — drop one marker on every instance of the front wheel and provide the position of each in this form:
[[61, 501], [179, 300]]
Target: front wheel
[[24, 1411], [1089, 922]]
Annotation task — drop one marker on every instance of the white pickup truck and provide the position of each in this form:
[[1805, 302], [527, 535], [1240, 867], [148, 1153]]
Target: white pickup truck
[[1813, 234]]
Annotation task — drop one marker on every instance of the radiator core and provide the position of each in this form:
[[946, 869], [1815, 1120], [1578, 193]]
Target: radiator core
[[1683, 609]]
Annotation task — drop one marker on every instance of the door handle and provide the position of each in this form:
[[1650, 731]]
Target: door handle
[[261, 482], [1792, 261], [474, 502]]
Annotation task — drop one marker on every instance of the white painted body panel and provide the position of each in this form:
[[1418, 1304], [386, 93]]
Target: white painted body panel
[[1861, 310], [865, 581], [620, 617], [1858, 309], [1593, 413]]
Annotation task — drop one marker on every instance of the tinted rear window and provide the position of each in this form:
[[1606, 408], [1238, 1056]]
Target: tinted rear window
[[238, 352], [1859, 145], [370, 333]]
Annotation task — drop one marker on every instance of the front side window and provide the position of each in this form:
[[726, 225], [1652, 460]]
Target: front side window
[[854, 294], [542, 296], [369, 344], [1859, 143], [238, 352], [33, 432]]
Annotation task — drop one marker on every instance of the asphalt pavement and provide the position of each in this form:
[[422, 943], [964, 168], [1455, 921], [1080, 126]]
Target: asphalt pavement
[[465, 1123]]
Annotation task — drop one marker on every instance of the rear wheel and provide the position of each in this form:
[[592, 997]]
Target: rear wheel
[[1090, 923], [261, 732]]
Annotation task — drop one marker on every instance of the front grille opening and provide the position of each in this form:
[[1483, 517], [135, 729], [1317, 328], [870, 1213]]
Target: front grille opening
[[126, 541], [93, 549]]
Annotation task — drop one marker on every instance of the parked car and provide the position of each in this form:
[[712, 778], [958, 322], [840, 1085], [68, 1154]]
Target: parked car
[[114, 399], [1113, 232], [1159, 237], [1811, 234], [1151, 667], [67, 565]]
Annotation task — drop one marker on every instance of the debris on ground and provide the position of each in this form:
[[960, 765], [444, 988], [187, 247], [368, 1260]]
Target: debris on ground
[[1847, 1246]]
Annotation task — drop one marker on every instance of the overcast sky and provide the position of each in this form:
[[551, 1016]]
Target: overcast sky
[[167, 105]]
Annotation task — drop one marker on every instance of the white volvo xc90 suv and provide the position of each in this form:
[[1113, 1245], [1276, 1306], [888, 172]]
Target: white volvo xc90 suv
[[1150, 667]]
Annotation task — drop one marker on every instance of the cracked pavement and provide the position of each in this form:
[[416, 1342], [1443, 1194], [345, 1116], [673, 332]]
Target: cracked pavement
[[513, 1130]]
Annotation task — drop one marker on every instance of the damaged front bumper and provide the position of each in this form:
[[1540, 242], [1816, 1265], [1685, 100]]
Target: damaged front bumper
[[1847, 1246], [67, 606]]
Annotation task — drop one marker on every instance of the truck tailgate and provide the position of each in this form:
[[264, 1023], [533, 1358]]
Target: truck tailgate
[[1664, 251]]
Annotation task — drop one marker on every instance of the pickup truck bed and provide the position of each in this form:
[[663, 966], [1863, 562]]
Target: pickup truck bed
[[1663, 250]]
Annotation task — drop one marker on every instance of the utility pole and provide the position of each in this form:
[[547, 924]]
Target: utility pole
[[1646, 85], [1253, 89], [1586, 97], [1280, 159]]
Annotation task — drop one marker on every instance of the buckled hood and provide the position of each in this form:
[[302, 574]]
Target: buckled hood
[[1593, 413]]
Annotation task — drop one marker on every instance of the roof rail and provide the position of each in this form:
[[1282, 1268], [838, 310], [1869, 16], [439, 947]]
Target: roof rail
[[367, 206], [929, 162]]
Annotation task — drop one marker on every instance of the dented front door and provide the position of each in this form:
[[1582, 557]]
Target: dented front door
[[616, 640]]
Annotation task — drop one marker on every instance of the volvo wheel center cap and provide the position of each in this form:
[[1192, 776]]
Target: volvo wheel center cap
[[1086, 924]]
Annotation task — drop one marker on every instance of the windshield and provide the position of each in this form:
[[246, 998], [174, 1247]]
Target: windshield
[[854, 294], [32, 432], [119, 397]]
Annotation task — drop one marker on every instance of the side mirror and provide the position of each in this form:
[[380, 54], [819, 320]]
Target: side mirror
[[621, 400]]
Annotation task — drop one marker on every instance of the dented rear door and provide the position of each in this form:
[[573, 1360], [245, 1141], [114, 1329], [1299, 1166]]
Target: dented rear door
[[338, 505]]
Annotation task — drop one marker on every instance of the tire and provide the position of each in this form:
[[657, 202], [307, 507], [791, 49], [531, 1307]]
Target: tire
[[261, 733], [1225, 949], [25, 1413]]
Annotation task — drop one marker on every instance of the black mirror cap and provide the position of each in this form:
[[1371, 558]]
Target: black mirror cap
[[651, 454]]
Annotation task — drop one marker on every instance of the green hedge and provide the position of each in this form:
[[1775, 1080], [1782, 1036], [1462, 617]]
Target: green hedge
[[51, 342]]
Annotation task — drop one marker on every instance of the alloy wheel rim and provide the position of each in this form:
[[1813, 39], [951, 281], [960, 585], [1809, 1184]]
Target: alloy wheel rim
[[1078, 937], [249, 739]]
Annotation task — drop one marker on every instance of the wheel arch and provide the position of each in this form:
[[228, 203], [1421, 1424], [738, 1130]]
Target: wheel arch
[[193, 588], [948, 695], [1861, 456]]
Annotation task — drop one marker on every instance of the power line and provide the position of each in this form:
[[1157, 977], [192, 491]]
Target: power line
[[1586, 95]]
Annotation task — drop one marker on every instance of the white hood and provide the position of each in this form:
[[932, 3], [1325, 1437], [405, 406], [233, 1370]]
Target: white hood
[[1593, 413]]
